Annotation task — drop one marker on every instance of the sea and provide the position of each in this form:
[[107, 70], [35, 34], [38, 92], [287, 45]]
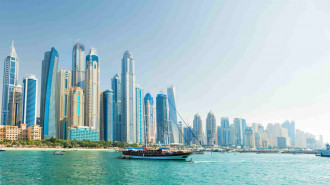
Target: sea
[[104, 167]]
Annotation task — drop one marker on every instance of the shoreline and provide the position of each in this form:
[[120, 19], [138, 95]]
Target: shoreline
[[58, 149]]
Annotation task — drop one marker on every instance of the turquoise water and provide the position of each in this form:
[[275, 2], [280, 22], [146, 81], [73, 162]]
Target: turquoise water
[[102, 167]]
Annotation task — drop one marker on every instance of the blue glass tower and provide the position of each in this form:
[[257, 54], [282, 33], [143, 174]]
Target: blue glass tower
[[116, 83], [106, 116], [139, 114], [10, 77], [225, 132], [30, 89], [48, 93], [161, 111]]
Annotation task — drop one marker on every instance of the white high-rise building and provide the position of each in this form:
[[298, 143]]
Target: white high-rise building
[[128, 128], [92, 90], [10, 77], [173, 115]]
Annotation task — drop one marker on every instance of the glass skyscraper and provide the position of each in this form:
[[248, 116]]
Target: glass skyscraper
[[139, 114], [15, 106], [238, 132], [291, 131], [161, 111], [48, 93], [92, 90], [78, 65], [117, 108], [106, 116], [10, 77], [30, 89], [173, 115], [198, 130], [128, 126], [211, 129], [225, 132]]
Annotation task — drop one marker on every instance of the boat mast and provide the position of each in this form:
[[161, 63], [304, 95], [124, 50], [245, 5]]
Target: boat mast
[[168, 136], [145, 134]]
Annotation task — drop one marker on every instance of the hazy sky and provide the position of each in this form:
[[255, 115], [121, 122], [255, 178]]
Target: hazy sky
[[262, 61]]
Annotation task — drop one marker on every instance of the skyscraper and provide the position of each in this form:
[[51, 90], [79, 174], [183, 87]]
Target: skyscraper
[[198, 130], [211, 129], [15, 106], [117, 108], [225, 132], [128, 128], [150, 118], [10, 77], [62, 99], [243, 129], [249, 138], [106, 116], [30, 91], [173, 115], [188, 135], [161, 112], [238, 132], [92, 90], [180, 128], [139, 114], [291, 131], [78, 65], [48, 93], [75, 109]]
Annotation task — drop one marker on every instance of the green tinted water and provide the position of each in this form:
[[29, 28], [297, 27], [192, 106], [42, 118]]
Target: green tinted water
[[102, 167]]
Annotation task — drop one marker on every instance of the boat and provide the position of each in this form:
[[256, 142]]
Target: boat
[[325, 153], [156, 154], [58, 153], [2, 150]]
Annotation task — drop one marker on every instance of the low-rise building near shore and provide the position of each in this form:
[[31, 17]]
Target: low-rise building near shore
[[15, 133]]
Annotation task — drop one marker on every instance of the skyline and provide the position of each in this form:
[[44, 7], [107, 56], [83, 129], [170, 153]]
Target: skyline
[[268, 95]]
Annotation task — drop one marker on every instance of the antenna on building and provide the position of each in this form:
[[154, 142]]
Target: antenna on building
[[12, 43]]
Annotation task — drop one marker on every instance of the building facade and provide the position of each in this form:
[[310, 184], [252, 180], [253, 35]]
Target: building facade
[[161, 116], [238, 132], [106, 116], [62, 99], [10, 77], [92, 90], [78, 65], [249, 138], [117, 107], [83, 133], [15, 133], [225, 132], [150, 118], [140, 135], [128, 126], [48, 93], [15, 106], [173, 115], [75, 110], [211, 129], [30, 94], [187, 132], [291, 131], [198, 130]]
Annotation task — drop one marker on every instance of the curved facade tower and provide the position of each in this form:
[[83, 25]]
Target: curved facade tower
[[150, 118], [173, 115], [10, 77], [30, 91], [78, 66], [211, 129], [128, 129], [92, 90], [48, 93]]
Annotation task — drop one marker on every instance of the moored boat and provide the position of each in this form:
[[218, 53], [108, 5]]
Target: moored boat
[[325, 153], [159, 154], [58, 153]]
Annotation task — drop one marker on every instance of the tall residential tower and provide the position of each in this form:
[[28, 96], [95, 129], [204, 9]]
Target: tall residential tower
[[78, 65]]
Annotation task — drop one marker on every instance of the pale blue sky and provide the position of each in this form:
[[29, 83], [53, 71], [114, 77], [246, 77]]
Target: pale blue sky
[[263, 61]]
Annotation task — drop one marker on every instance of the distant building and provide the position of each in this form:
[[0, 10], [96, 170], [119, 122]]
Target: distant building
[[92, 90], [128, 114], [15, 133], [173, 115], [117, 108], [249, 138], [257, 140], [62, 99], [83, 133], [211, 129], [78, 65], [75, 109], [290, 126], [225, 132], [10, 77], [198, 130], [180, 128], [238, 132], [219, 135], [106, 116], [188, 135], [139, 114], [243, 129], [281, 142], [161, 112], [48, 93], [15, 106], [34, 132], [29, 109], [150, 118]]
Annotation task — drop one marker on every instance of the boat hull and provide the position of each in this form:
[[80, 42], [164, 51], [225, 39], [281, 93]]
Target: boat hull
[[177, 157], [325, 153]]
